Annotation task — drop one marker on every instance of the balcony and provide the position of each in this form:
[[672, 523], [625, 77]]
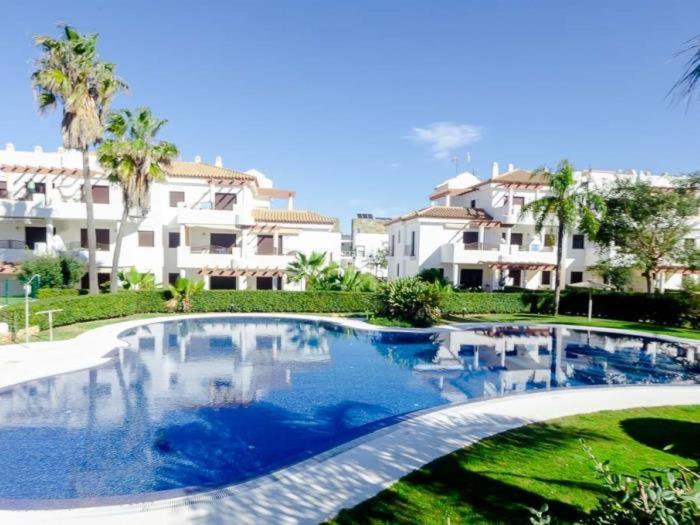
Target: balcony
[[205, 215], [44, 206], [209, 255], [477, 253]]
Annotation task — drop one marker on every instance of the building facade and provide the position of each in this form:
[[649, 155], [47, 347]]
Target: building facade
[[205, 222], [474, 232], [366, 247]]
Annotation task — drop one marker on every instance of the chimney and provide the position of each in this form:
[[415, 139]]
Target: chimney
[[494, 170], [9, 147], [197, 159], [218, 162], [511, 167]]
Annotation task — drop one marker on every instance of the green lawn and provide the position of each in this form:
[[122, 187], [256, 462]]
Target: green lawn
[[496, 480], [575, 320]]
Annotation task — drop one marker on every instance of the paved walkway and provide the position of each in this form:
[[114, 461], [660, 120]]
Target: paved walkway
[[318, 488]]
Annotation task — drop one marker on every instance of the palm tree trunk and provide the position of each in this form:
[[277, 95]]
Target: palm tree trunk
[[113, 284], [91, 235], [557, 272]]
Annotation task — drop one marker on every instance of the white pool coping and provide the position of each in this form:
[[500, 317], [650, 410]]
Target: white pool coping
[[316, 489]]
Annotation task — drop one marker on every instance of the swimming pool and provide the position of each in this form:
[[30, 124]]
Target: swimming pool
[[207, 402]]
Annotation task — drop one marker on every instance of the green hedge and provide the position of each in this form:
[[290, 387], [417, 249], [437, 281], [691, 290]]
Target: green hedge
[[485, 303], [45, 293], [80, 309], [281, 301]]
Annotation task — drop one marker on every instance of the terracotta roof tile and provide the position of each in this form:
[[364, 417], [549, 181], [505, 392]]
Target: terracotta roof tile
[[448, 212], [290, 216], [520, 177], [200, 169]]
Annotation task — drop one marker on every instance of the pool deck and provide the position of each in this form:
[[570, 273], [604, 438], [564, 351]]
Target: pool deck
[[316, 489]]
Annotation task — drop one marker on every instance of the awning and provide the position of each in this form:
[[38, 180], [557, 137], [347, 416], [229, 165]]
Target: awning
[[522, 266], [241, 272], [684, 270]]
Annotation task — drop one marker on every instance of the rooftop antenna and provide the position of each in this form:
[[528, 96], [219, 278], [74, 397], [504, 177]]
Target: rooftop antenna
[[456, 161]]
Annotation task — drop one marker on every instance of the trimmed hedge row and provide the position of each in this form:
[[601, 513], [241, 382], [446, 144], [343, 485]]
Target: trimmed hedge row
[[281, 301], [485, 303], [671, 308], [45, 293]]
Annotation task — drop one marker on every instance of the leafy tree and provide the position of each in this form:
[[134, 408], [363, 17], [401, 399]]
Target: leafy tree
[[615, 273], [346, 280], [54, 272], [567, 207], [70, 72], [182, 293], [308, 268], [135, 280], [379, 260], [432, 275], [648, 224], [133, 160]]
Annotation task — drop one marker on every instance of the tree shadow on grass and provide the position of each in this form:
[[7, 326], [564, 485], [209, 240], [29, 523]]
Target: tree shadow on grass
[[681, 437]]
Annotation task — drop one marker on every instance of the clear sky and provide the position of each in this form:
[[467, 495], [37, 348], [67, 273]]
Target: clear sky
[[360, 106]]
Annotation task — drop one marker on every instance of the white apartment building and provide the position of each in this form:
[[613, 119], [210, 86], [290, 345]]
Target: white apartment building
[[369, 237], [474, 232], [205, 221]]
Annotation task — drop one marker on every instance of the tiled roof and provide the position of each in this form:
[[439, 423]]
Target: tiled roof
[[290, 216], [520, 177], [43, 170], [8, 268], [199, 169], [448, 212]]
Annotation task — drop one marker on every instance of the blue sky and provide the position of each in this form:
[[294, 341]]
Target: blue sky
[[360, 106]]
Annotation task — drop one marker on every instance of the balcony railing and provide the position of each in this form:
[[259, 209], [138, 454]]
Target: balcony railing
[[11, 244], [77, 246], [212, 248], [274, 251]]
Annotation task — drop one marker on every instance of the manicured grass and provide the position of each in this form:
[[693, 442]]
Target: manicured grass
[[496, 480], [384, 321], [576, 320]]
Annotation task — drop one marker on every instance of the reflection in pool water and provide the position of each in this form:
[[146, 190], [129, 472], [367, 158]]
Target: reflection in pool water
[[206, 402]]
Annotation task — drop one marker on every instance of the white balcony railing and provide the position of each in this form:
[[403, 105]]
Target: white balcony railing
[[475, 253]]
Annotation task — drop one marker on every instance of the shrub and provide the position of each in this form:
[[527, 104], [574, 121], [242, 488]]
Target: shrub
[[182, 293], [410, 299], [55, 272], [284, 301], [47, 293], [484, 303]]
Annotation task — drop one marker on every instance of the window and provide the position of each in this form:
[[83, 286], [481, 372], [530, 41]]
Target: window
[[263, 283], [360, 251], [473, 204], [173, 239], [518, 201], [176, 197], [31, 188], [222, 283], [3, 190], [470, 239], [547, 278], [102, 279], [224, 201], [516, 275], [222, 242], [516, 239], [398, 270], [33, 235], [413, 244], [578, 242], [265, 245], [102, 235], [146, 239], [100, 194], [398, 239], [391, 251], [576, 277], [172, 277]]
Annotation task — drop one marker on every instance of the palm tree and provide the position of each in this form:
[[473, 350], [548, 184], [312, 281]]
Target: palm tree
[[133, 160], [70, 73], [307, 268], [566, 206], [182, 293], [688, 83]]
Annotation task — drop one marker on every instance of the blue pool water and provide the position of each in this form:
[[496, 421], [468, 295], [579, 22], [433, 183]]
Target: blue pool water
[[209, 402]]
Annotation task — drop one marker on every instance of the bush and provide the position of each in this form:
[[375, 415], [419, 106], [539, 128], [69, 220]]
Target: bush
[[485, 303], [282, 301], [411, 299], [46, 293], [54, 272]]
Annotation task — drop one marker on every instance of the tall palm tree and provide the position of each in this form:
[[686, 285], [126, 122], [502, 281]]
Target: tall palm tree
[[686, 86], [566, 206], [69, 72], [309, 268], [132, 159]]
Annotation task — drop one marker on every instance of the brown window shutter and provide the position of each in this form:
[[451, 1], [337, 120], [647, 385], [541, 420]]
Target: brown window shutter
[[224, 201], [3, 189], [83, 238], [265, 245], [146, 239], [280, 245], [100, 194], [102, 235], [176, 197], [518, 201]]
